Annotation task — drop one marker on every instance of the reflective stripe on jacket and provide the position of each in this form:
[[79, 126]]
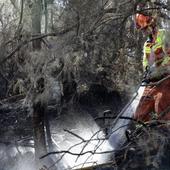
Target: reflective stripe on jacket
[[155, 53]]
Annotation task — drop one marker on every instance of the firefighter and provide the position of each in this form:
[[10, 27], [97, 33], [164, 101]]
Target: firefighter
[[155, 102]]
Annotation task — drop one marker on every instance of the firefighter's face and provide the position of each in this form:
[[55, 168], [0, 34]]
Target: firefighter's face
[[148, 30]]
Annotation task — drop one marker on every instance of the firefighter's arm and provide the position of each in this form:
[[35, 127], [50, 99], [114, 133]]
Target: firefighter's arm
[[166, 43], [167, 50], [146, 77], [145, 62]]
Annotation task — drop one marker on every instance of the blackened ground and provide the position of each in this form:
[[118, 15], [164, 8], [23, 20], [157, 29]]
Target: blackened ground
[[98, 99], [99, 94]]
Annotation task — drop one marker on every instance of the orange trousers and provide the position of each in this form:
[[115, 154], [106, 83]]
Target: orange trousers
[[154, 102]]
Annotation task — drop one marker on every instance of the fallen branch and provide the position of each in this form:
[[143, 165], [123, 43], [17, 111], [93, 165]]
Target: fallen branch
[[74, 135], [121, 117], [77, 154]]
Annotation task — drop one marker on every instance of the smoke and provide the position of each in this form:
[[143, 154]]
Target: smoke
[[86, 129], [118, 138], [16, 158]]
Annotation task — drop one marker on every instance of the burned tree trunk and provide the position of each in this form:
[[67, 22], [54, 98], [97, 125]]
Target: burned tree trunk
[[39, 108], [36, 23], [38, 124], [48, 132], [39, 101]]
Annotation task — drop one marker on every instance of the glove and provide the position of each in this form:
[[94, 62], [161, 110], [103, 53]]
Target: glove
[[145, 82], [146, 76]]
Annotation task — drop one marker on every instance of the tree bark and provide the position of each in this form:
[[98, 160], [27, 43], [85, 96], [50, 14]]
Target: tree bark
[[21, 18], [38, 124], [39, 108], [48, 132], [46, 16], [36, 22]]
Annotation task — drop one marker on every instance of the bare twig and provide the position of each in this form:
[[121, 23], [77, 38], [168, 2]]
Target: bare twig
[[95, 149], [74, 135], [76, 154], [88, 142], [121, 117]]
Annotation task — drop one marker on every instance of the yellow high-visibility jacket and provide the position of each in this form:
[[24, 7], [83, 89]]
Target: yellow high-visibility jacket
[[157, 53]]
